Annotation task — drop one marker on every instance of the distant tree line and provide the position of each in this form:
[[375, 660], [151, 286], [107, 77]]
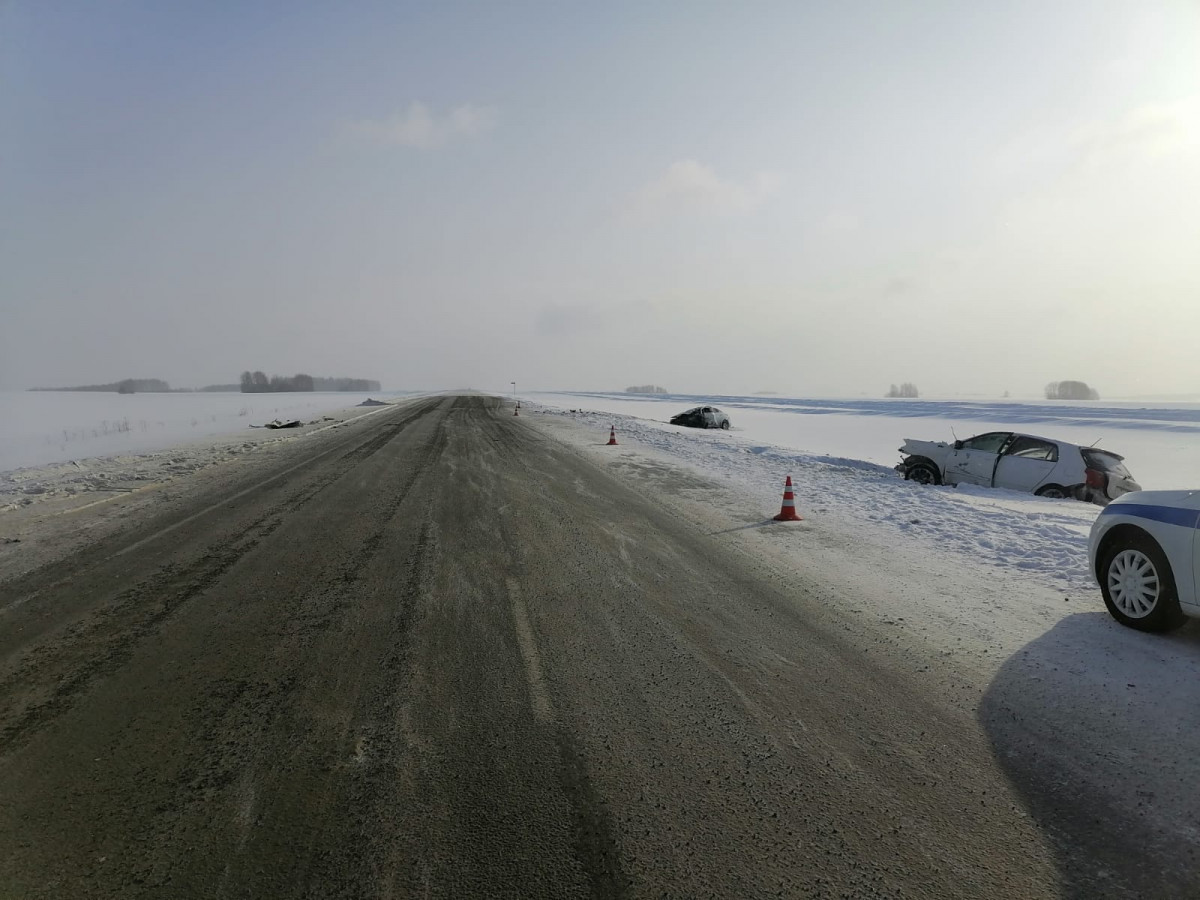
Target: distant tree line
[[908, 389], [125, 386], [358, 385], [645, 389], [259, 383], [1071, 390]]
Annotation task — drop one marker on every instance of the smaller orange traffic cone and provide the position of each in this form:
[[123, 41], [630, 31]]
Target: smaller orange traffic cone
[[787, 513], [612, 436]]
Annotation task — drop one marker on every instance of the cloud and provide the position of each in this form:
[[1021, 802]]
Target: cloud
[[574, 319], [559, 320], [690, 186], [840, 222], [1143, 135], [1148, 132], [899, 285], [421, 128]]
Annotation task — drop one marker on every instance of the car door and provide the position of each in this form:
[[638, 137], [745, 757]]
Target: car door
[[1196, 564], [1025, 463], [973, 461], [1193, 502]]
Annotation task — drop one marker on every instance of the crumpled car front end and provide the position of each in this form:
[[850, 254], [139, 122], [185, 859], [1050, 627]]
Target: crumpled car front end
[[929, 454]]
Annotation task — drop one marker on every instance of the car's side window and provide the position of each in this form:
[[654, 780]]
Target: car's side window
[[1032, 448], [990, 442]]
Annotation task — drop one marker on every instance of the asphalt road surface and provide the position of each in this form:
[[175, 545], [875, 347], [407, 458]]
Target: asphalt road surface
[[441, 655]]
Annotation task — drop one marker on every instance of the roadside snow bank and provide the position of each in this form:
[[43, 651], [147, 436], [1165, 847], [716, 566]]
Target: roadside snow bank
[[40, 428], [74, 484], [998, 530]]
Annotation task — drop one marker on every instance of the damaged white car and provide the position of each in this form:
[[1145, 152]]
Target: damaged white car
[[1019, 462]]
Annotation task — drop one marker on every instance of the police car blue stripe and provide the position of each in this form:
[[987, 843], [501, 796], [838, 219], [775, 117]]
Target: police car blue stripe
[[1185, 518]]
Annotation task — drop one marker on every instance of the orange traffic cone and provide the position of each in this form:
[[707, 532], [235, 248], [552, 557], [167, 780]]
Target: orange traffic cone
[[612, 436], [516, 410], [787, 513]]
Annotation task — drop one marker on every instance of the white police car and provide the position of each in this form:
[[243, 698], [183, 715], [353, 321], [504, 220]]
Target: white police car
[[1144, 553]]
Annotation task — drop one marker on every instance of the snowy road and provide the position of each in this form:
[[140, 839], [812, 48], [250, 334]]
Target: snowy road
[[441, 651]]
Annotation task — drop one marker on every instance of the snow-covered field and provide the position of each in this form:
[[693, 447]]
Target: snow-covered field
[[1160, 442], [42, 427], [840, 453]]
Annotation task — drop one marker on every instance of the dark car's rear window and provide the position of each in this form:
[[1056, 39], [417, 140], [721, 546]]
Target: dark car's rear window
[[1105, 461]]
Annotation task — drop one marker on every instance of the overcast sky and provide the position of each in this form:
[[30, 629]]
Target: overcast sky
[[810, 198]]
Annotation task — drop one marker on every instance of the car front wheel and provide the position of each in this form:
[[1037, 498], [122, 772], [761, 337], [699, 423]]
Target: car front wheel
[[725, 425], [923, 473], [1138, 586]]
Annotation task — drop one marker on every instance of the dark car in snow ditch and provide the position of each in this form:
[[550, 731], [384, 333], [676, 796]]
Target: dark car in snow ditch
[[702, 417]]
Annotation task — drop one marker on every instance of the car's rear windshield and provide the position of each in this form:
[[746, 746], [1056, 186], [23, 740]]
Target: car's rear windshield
[[1107, 462]]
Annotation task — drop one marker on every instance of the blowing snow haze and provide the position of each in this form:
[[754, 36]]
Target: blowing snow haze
[[810, 200]]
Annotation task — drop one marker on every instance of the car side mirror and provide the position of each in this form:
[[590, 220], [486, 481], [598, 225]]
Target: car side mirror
[[958, 445]]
